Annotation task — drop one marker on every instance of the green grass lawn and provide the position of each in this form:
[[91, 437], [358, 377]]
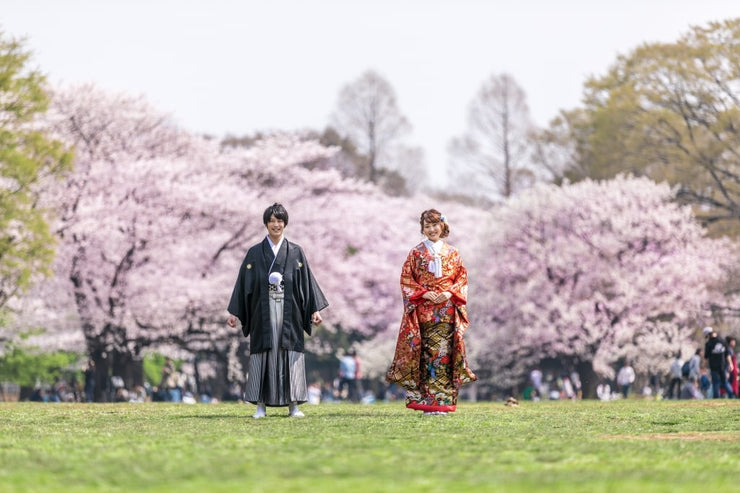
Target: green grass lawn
[[621, 446]]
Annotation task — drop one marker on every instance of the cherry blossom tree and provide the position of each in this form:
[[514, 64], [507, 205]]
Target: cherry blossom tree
[[153, 223], [591, 273], [128, 194]]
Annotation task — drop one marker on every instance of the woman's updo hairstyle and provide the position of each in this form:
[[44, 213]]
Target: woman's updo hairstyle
[[434, 216]]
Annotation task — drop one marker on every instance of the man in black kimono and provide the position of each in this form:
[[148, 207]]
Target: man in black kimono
[[276, 299]]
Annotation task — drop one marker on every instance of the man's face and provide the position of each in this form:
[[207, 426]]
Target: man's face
[[275, 227]]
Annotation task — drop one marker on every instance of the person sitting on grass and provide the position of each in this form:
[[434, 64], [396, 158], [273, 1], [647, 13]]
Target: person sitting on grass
[[690, 390]]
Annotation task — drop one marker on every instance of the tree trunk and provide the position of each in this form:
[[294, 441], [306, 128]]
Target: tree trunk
[[102, 372], [589, 379], [372, 169], [117, 364], [129, 368]]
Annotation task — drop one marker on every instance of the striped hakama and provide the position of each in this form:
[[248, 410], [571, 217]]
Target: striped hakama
[[276, 377]]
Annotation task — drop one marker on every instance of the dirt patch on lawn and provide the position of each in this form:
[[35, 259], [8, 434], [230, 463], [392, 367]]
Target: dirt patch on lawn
[[688, 436]]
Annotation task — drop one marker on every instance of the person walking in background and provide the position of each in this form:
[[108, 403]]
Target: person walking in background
[[568, 390], [575, 378], [89, 375], [169, 382], [358, 378], [695, 364], [705, 383], [348, 376], [732, 373], [719, 362], [676, 377], [165, 380], [625, 378], [276, 298], [430, 361], [535, 377]]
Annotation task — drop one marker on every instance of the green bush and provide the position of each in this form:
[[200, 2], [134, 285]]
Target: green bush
[[27, 365], [153, 364]]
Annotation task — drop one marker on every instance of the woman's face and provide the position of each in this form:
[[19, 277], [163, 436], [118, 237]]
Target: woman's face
[[432, 231]]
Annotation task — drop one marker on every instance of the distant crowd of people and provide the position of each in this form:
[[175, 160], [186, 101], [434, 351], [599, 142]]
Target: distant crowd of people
[[710, 373], [178, 386], [551, 386], [174, 386], [348, 385]]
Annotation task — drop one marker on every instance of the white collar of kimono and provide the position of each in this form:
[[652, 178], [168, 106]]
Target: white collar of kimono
[[275, 248], [275, 278], [435, 266]]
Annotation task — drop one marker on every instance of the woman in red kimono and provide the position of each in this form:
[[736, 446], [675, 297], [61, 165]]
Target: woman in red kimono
[[430, 361]]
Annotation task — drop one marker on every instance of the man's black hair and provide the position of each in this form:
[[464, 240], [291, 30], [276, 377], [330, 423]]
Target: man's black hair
[[276, 210]]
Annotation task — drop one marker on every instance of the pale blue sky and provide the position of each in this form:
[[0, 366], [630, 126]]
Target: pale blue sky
[[240, 66]]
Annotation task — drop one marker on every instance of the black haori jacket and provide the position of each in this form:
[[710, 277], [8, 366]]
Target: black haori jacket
[[250, 302]]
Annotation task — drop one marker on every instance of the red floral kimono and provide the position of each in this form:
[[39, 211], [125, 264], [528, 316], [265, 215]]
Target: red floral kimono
[[430, 360]]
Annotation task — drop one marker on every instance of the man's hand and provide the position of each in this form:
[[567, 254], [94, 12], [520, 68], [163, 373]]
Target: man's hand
[[231, 321]]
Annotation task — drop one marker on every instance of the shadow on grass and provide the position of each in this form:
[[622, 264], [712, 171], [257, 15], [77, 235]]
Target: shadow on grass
[[207, 416]]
